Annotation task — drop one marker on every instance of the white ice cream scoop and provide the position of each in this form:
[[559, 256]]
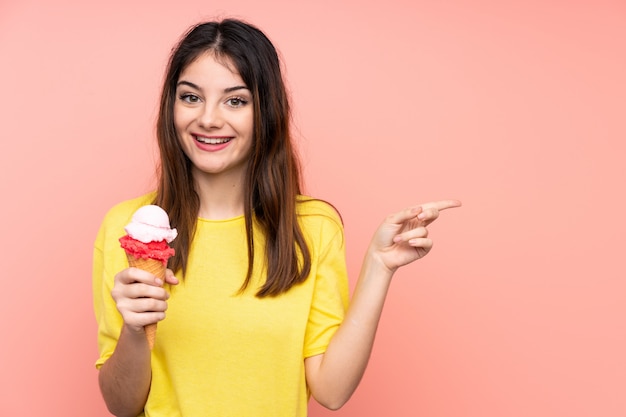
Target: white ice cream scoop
[[150, 224]]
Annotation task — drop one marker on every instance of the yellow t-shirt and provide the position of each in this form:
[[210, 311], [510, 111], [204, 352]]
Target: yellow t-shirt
[[219, 352]]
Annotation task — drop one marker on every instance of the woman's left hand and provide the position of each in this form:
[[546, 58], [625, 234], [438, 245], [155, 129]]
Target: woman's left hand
[[403, 237]]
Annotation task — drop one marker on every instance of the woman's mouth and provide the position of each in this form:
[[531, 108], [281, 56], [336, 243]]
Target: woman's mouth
[[213, 140]]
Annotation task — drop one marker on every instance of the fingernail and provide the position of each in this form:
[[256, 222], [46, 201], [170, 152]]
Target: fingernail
[[158, 281], [421, 216]]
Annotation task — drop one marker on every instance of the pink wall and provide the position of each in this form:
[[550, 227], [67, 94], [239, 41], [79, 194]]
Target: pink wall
[[518, 110]]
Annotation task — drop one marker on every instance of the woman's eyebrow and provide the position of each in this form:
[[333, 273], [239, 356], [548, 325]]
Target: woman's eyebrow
[[226, 90], [235, 88], [187, 83]]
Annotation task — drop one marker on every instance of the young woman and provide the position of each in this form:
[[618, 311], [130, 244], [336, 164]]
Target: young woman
[[257, 303]]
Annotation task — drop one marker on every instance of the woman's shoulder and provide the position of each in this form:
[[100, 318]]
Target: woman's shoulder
[[315, 207], [124, 210], [118, 216]]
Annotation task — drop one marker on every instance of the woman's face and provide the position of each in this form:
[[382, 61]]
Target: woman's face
[[213, 116]]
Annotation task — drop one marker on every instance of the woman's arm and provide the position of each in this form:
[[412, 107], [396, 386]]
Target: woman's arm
[[125, 377], [402, 238]]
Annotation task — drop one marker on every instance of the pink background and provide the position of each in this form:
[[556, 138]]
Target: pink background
[[517, 108]]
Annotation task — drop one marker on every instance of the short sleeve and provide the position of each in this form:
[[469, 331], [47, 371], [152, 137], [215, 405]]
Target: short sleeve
[[331, 290], [109, 259]]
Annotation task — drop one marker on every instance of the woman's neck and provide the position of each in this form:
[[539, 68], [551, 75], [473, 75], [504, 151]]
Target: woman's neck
[[221, 196]]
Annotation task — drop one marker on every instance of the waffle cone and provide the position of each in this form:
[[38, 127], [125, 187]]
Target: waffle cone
[[156, 268]]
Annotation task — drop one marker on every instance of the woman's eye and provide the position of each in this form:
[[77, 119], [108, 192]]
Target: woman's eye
[[189, 98], [236, 102]]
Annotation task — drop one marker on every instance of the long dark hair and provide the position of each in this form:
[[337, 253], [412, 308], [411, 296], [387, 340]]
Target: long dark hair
[[273, 178]]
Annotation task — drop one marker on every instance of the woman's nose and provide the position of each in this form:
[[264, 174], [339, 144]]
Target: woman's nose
[[210, 117]]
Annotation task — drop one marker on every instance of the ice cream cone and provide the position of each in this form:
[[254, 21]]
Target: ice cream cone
[[156, 268], [147, 246]]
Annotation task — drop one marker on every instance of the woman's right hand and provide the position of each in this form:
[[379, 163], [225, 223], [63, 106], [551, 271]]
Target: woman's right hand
[[140, 297], [125, 377]]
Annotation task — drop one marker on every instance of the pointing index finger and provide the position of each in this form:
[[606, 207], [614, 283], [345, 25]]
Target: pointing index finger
[[441, 204], [411, 212]]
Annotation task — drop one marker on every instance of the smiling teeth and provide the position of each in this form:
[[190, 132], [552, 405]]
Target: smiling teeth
[[212, 141]]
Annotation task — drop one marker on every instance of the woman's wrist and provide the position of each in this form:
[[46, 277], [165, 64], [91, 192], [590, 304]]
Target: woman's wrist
[[374, 265], [134, 334]]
